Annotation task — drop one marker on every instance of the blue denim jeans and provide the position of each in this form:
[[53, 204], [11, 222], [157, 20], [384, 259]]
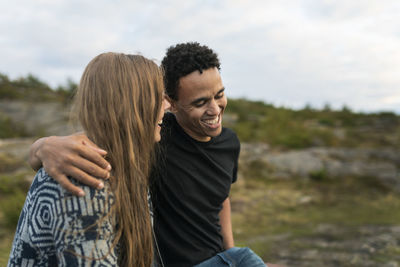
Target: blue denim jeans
[[234, 257]]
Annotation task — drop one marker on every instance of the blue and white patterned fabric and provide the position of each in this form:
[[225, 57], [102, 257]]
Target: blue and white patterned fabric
[[58, 228]]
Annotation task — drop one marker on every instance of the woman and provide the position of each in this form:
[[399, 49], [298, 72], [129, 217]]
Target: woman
[[119, 105]]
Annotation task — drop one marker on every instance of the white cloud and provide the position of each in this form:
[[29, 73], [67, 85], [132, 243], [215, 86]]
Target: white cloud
[[284, 52]]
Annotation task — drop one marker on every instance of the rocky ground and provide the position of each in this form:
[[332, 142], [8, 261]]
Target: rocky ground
[[297, 223], [292, 238], [319, 206], [366, 246]]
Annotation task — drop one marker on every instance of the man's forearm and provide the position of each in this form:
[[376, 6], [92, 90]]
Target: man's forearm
[[34, 160], [226, 224]]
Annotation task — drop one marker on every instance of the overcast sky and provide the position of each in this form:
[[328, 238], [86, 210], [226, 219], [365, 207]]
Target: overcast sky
[[289, 53]]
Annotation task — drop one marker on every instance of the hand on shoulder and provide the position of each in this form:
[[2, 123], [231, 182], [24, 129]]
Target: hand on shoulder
[[73, 155]]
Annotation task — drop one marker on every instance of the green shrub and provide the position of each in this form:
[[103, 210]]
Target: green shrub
[[256, 170], [319, 175], [31, 88], [10, 129], [295, 139], [13, 191], [9, 163], [11, 208], [11, 184]]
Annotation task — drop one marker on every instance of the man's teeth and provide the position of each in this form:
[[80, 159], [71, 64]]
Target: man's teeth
[[214, 121], [159, 122]]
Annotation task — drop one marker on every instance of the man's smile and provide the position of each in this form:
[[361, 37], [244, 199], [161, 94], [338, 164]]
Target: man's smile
[[213, 123]]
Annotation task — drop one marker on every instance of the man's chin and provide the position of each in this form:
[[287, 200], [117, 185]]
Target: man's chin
[[214, 132]]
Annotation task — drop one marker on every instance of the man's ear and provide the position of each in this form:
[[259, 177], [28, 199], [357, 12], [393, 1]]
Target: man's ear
[[173, 104]]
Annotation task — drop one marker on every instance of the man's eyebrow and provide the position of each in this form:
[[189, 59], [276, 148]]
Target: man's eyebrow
[[220, 91], [198, 100]]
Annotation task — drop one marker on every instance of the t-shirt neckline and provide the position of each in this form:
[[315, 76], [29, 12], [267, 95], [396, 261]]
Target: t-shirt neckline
[[179, 127]]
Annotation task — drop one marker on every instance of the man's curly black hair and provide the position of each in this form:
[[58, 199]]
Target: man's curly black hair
[[183, 59]]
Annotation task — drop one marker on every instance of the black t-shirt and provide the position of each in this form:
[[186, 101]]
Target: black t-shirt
[[191, 181]]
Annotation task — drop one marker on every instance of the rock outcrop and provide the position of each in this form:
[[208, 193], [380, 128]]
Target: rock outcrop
[[321, 163], [42, 118]]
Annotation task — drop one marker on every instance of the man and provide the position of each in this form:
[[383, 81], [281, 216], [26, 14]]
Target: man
[[198, 163]]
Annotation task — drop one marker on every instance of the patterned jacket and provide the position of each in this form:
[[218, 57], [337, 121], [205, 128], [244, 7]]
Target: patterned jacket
[[58, 228]]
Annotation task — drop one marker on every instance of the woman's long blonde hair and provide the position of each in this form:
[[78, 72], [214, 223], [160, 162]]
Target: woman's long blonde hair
[[118, 103]]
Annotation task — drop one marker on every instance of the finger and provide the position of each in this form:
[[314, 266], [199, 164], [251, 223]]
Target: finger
[[94, 147], [95, 158], [90, 168], [67, 185], [84, 178]]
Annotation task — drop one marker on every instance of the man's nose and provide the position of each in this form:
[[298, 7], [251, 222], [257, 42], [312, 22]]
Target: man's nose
[[213, 108]]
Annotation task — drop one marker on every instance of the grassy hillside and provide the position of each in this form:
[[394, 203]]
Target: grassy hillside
[[31, 88], [256, 121], [253, 121]]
